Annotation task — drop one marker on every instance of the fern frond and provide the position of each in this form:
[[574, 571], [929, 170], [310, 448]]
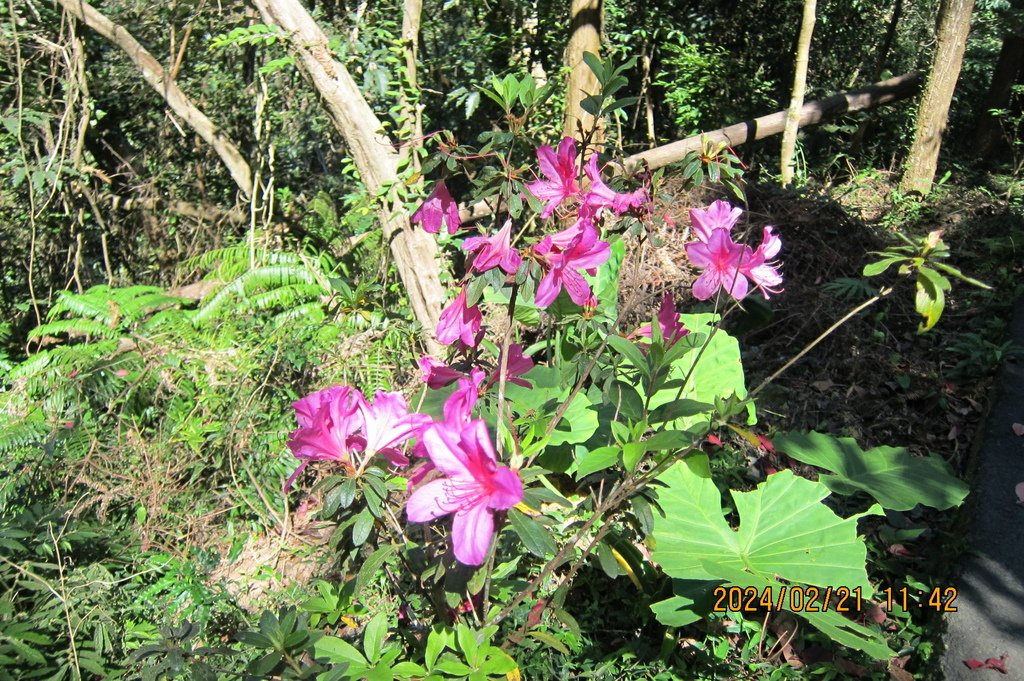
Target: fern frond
[[149, 303], [233, 261], [20, 433], [262, 278], [73, 327], [94, 304], [310, 313], [285, 296]]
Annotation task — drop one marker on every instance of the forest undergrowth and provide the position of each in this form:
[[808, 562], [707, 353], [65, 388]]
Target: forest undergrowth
[[175, 508]]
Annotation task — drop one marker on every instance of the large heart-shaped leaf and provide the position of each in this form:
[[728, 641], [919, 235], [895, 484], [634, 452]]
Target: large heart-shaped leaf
[[784, 530], [548, 391], [891, 475], [712, 373]]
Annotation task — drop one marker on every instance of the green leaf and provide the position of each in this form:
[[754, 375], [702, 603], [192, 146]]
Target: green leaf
[[594, 63], [498, 662], [372, 565], [452, 667], [437, 641], [897, 480], [579, 421], [632, 452], [784, 530], [716, 372], [606, 559], [631, 352], [626, 400], [875, 268], [550, 641], [407, 669], [335, 650], [667, 439], [373, 636], [676, 612], [930, 299], [535, 537], [361, 527], [468, 643], [597, 460]]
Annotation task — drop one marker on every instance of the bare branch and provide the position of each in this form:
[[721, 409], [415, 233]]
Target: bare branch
[[154, 74]]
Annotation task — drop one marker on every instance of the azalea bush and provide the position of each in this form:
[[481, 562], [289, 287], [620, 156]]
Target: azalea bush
[[560, 433]]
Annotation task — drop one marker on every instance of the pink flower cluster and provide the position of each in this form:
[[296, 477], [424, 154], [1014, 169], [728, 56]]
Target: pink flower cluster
[[474, 485], [339, 424], [727, 265], [563, 257]]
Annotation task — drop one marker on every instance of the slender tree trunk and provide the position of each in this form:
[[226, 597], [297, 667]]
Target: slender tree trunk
[[154, 74], [414, 251], [796, 102], [922, 162], [413, 110], [584, 36], [1009, 70]]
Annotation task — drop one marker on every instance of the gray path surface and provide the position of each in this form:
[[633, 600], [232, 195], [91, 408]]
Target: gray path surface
[[990, 617]]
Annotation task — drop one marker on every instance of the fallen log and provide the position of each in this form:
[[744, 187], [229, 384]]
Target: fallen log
[[812, 113]]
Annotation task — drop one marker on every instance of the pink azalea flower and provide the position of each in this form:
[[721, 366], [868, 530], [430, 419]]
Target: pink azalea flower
[[719, 215], [494, 251], [306, 409], [560, 169], [458, 321], [764, 274], [518, 364], [437, 374], [474, 487], [668, 320], [439, 208], [458, 408], [601, 195], [329, 421], [584, 252], [387, 423], [722, 261]]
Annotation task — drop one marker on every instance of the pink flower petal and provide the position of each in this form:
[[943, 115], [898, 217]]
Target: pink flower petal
[[438, 209], [429, 502], [444, 448], [472, 531]]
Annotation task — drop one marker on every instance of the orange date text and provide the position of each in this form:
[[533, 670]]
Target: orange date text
[[795, 598]]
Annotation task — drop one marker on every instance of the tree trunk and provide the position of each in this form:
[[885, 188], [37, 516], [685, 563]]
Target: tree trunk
[[154, 74], [954, 25], [803, 50], [584, 36], [411, 107], [374, 156], [1009, 70]]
